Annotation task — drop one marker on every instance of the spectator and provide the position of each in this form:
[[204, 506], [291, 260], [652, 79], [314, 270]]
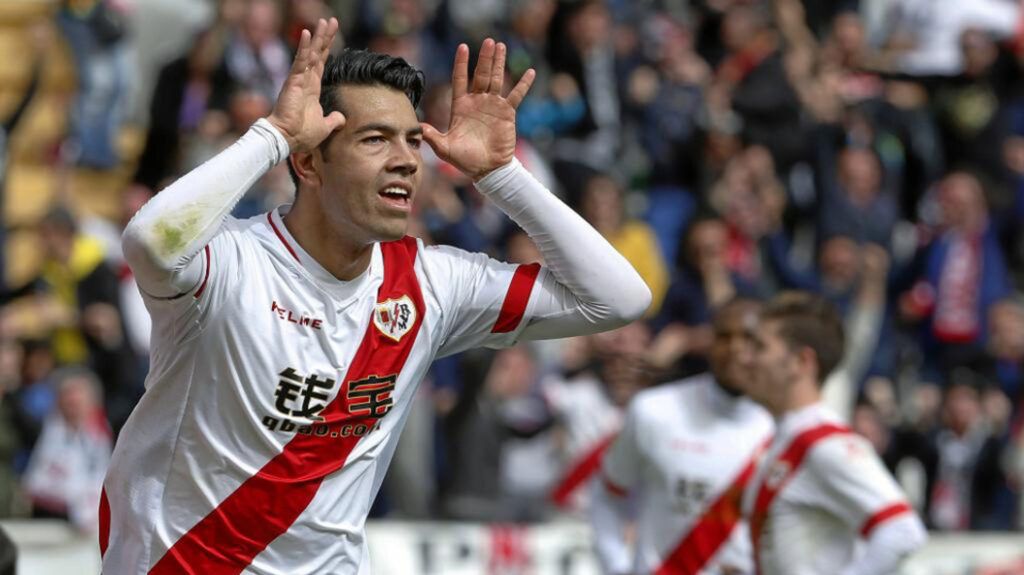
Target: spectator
[[701, 284], [752, 81], [584, 51], [855, 204], [921, 37], [187, 89], [964, 274], [66, 470], [256, 58], [969, 476], [77, 298], [96, 31], [602, 206]]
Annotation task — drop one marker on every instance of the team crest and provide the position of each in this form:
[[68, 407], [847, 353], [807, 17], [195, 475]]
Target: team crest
[[395, 317]]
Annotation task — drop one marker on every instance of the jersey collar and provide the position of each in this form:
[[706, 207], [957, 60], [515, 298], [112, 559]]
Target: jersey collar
[[307, 263]]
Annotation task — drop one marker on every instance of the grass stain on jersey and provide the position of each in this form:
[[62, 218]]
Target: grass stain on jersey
[[172, 237]]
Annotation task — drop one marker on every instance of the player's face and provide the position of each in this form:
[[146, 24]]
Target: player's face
[[371, 168], [775, 366], [732, 351]]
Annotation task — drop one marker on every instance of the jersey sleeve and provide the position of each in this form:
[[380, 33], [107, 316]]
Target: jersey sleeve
[[853, 484], [166, 241], [217, 268], [484, 302]]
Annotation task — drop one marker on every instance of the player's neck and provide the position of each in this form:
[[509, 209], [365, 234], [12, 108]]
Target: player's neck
[[799, 397], [345, 258]]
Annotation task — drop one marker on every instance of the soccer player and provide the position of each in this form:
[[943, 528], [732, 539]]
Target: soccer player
[[686, 451], [819, 491], [287, 348]]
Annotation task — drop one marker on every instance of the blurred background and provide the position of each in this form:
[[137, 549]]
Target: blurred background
[[871, 151]]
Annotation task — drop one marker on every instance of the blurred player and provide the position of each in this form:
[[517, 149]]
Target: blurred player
[[687, 450], [819, 490], [287, 348]]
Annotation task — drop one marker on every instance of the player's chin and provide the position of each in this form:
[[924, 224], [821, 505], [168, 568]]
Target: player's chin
[[393, 228]]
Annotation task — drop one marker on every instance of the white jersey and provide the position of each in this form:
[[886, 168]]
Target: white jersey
[[276, 391], [686, 450], [276, 396], [588, 420], [818, 490]]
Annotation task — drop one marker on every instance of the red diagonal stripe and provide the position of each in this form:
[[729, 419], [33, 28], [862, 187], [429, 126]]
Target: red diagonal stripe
[[516, 298], [791, 458], [712, 529], [580, 471], [883, 515], [268, 503]]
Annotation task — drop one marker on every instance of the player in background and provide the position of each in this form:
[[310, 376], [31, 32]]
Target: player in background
[[686, 451], [821, 501], [287, 348]]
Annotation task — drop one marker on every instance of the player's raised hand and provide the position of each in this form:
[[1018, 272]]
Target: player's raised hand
[[481, 136], [297, 112]]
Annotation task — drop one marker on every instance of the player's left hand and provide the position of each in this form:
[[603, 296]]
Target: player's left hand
[[481, 136]]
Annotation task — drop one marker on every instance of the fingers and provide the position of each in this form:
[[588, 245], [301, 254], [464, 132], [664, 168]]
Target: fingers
[[302, 55], [435, 139], [334, 121], [498, 70], [460, 71], [484, 63], [317, 44], [330, 28], [515, 97]]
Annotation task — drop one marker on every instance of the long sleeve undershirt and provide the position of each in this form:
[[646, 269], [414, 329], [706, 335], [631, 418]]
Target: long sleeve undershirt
[[590, 287]]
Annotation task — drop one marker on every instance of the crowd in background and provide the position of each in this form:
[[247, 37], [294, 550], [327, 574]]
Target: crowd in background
[[871, 152]]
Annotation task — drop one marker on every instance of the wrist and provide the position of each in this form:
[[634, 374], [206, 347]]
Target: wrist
[[276, 124], [492, 178], [277, 137]]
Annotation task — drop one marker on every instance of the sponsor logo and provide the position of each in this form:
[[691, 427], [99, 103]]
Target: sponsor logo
[[297, 318], [304, 398]]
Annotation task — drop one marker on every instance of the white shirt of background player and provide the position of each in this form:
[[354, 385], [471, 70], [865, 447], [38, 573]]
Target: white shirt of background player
[[682, 460], [821, 502]]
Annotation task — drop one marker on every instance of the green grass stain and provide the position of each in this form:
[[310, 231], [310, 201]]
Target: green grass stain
[[173, 233]]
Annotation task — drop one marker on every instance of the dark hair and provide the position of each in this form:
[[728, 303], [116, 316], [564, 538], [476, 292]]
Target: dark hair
[[807, 320], [365, 68], [61, 219]]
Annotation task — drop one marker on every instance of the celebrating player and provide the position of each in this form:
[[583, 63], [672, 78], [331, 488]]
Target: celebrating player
[[819, 488], [287, 348], [687, 450]]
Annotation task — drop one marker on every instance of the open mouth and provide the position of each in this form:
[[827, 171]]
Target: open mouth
[[396, 197]]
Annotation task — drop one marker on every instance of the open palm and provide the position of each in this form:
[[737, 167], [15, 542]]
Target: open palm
[[297, 113], [481, 136]]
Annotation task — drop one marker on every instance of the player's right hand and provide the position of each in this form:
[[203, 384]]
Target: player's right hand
[[297, 113]]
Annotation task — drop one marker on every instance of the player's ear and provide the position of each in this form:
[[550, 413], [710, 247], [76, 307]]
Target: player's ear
[[305, 168], [808, 359]]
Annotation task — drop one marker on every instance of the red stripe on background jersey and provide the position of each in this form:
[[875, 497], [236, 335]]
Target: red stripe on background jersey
[[516, 298], [104, 522], [268, 503], [580, 471], [780, 473], [614, 488], [712, 529], [883, 515]]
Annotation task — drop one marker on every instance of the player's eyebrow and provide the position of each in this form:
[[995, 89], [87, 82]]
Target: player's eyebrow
[[386, 129]]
